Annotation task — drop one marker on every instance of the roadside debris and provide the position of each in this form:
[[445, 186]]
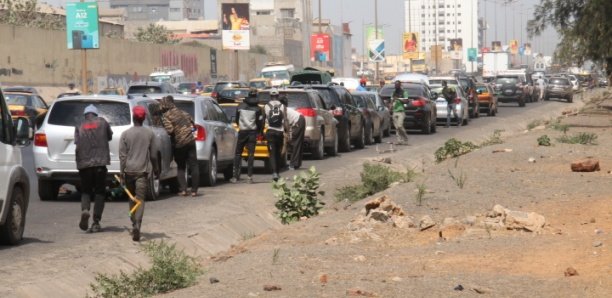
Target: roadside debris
[[570, 271], [588, 164], [502, 150], [270, 288], [501, 217], [359, 292], [213, 280]]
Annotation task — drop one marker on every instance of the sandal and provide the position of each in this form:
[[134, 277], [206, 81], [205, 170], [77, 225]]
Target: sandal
[[194, 194], [182, 193]]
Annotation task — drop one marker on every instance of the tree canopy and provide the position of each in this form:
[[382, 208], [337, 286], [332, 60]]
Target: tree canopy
[[155, 34], [585, 27], [27, 13]]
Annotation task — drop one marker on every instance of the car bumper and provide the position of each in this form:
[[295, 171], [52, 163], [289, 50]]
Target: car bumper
[[415, 119], [558, 93], [261, 151], [510, 98]]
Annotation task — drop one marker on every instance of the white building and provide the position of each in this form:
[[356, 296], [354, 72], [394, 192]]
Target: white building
[[439, 21]]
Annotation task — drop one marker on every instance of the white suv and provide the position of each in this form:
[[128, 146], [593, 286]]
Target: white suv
[[15, 184]]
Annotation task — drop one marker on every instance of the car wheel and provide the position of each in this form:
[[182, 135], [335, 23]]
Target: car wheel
[[345, 144], [427, 127], [570, 99], [153, 188], [521, 103], [370, 136], [379, 137], [360, 143], [333, 150], [387, 131], [48, 189], [433, 126], [318, 150], [208, 173], [12, 230]]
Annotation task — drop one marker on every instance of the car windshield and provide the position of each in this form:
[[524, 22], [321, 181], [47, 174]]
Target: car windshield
[[143, 89], [221, 86], [234, 93], [186, 106], [186, 87], [160, 78], [506, 80], [70, 113], [17, 99], [276, 75], [559, 81]]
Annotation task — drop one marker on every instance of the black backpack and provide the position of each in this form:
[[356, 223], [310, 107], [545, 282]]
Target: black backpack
[[275, 116]]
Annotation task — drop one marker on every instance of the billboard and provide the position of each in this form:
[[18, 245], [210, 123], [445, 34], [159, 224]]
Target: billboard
[[82, 25], [320, 44], [370, 35], [235, 25], [376, 50], [472, 54], [527, 49], [410, 42], [456, 48], [514, 47]]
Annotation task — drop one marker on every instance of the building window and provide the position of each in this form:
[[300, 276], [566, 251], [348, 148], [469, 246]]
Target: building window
[[458, 14], [459, 22], [263, 13], [459, 30], [288, 13], [422, 15]]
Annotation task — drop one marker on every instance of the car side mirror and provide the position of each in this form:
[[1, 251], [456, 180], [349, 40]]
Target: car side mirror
[[23, 132]]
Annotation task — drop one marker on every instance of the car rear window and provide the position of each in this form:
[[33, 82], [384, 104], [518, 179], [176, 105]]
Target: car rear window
[[221, 86], [144, 89], [70, 113], [230, 111], [360, 100], [17, 99], [234, 93], [413, 90], [330, 97], [506, 80], [559, 81], [186, 106], [482, 89], [294, 99], [186, 87]]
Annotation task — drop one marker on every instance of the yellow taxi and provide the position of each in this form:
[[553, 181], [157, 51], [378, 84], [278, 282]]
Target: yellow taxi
[[260, 83], [27, 105]]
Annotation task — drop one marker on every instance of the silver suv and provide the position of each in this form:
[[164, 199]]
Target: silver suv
[[15, 184], [54, 156]]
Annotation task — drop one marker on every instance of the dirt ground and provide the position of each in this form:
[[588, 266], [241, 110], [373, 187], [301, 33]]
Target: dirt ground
[[325, 257]]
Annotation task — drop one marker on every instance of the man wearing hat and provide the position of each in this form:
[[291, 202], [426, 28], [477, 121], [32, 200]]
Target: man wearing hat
[[92, 155], [397, 106], [138, 163], [250, 121]]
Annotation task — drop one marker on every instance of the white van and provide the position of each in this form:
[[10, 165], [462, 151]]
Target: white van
[[15, 184], [279, 74], [173, 76]]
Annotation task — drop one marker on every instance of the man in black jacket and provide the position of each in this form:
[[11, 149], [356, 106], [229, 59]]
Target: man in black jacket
[[250, 121]]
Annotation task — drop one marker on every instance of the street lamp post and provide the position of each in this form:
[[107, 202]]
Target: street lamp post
[[375, 34]]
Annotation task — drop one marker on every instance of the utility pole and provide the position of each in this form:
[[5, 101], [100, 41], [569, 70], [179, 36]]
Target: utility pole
[[410, 30], [320, 28], [375, 34], [84, 85]]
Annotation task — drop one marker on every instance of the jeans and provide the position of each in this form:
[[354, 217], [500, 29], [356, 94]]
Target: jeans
[[137, 184], [186, 156], [275, 141], [248, 139], [400, 131], [93, 183], [452, 107]]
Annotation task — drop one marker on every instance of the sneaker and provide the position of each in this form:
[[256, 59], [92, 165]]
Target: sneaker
[[292, 168], [275, 177], [135, 234], [250, 180], [84, 223], [233, 180], [95, 227]]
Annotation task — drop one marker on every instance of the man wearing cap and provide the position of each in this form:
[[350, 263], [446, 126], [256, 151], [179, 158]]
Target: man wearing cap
[[138, 163], [92, 155], [362, 85], [250, 121], [276, 118], [397, 105]]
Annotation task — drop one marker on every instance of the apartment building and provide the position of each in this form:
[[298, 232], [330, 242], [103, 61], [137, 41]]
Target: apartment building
[[155, 10]]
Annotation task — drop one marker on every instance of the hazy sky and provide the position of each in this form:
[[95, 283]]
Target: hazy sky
[[504, 21]]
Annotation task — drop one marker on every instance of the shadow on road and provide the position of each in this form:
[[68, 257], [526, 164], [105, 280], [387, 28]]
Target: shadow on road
[[26, 241]]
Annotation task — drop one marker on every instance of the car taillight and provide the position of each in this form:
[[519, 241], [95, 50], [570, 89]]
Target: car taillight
[[338, 111], [200, 133], [307, 112], [214, 94], [40, 140], [260, 138], [419, 102], [457, 100], [18, 112]]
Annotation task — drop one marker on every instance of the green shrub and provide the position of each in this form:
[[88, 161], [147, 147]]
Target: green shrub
[[170, 270], [299, 199], [453, 148], [582, 138], [420, 195], [374, 178], [557, 125], [459, 180], [494, 139], [544, 141]]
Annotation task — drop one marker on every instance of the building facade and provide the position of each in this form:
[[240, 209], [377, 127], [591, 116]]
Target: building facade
[[439, 22], [155, 10]]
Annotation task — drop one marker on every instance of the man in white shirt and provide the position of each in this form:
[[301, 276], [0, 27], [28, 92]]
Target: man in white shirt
[[541, 87], [297, 128]]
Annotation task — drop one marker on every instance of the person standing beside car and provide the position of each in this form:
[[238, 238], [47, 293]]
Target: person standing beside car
[[399, 113], [138, 163], [297, 128], [179, 125], [276, 113], [250, 123], [450, 94], [92, 155]]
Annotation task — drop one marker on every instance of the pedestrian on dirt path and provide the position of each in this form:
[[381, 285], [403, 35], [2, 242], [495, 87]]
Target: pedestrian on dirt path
[[276, 118], [138, 163], [297, 129], [92, 155], [399, 111], [250, 121], [180, 126], [450, 94], [541, 87]]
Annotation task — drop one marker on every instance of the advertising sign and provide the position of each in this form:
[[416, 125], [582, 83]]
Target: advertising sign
[[376, 50], [235, 25], [472, 54], [410, 41], [514, 47], [370, 35], [456, 48], [496, 46], [527, 50], [82, 25], [320, 47]]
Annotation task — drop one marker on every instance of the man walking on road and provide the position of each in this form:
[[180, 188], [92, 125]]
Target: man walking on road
[[541, 87], [180, 127], [92, 155], [297, 128], [250, 121], [451, 107], [138, 164], [276, 114], [399, 113]]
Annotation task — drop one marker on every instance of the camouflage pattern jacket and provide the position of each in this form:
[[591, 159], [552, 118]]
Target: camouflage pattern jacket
[[177, 123]]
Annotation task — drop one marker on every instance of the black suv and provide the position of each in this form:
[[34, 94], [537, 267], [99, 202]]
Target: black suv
[[351, 122], [420, 106], [510, 88]]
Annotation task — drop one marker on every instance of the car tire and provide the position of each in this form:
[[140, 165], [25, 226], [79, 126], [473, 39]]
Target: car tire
[[434, 127], [48, 189], [370, 136], [379, 137], [333, 150], [387, 132], [345, 141], [521, 103], [570, 99], [427, 127], [208, 170], [318, 148], [12, 230], [153, 188]]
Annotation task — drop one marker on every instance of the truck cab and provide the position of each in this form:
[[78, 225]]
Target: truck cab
[[278, 73], [173, 76]]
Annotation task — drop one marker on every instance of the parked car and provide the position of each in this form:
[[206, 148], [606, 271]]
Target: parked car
[[15, 182], [54, 156], [461, 102], [27, 105], [207, 90], [226, 84], [420, 106], [510, 88], [150, 87], [383, 111], [351, 123], [487, 98], [560, 88], [187, 88], [575, 83], [260, 83], [112, 91], [22, 89], [321, 134], [373, 121], [215, 136], [232, 94], [312, 76]]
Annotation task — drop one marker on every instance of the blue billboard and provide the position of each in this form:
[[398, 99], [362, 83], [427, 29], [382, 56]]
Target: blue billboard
[[82, 25]]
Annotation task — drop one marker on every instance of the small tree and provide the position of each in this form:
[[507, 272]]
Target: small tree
[[155, 34], [26, 13]]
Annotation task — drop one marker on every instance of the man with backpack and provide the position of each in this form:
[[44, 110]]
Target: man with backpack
[[275, 112], [250, 122]]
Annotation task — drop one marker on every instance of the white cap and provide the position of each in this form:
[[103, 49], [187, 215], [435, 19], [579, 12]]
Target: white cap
[[273, 91], [91, 109]]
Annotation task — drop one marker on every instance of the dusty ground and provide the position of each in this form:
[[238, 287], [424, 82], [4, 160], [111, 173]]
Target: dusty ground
[[322, 257]]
